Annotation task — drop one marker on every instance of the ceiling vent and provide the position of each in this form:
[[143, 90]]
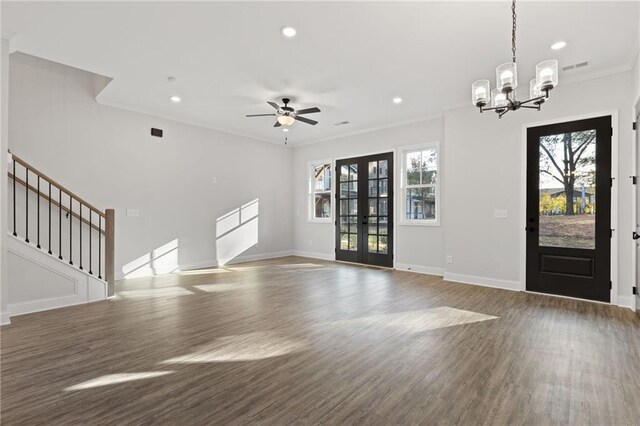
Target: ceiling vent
[[341, 123], [575, 66]]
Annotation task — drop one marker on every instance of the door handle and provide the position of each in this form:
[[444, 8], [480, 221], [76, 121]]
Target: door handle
[[636, 236], [530, 228], [364, 220]]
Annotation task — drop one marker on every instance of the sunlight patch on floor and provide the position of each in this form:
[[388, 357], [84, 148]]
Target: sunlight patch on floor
[[152, 293], [223, 287], [112, 379], [420, 320], [301, 266], [202, 271], [245, 347]]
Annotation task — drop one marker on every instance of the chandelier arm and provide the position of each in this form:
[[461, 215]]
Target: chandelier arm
[[503, 113], [539, 98], [530, 107]]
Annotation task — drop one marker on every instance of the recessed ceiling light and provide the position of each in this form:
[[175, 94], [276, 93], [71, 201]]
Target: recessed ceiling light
[[289, 32], [397, 100], [558, 45], [285, 130], [175, 99]]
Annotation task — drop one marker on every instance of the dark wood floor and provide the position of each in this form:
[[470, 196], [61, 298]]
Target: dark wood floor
[[295, 340]]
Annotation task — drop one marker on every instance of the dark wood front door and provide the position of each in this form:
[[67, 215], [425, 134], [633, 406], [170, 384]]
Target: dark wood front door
[[364, 210], [569, 209]]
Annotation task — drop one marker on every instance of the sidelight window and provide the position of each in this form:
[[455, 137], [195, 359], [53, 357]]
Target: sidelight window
[[320, 191]]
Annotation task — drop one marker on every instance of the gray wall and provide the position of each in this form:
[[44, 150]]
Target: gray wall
[[107, 156]]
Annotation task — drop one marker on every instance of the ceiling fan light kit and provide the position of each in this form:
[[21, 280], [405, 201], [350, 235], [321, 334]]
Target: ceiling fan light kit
[[286, 116], [503, 98]]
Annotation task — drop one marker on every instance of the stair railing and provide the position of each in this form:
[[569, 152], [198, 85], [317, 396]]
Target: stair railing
[[95, 228]]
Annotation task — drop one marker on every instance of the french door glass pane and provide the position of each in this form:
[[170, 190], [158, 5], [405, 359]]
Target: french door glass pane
[[373, 244], [568, 190], [373, 188], [383, 169]]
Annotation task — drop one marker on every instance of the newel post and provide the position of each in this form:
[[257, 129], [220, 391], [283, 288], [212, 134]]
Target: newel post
[[109, 250]]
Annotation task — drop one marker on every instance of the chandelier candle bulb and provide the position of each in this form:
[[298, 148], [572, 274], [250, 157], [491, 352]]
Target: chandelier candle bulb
[[480, 91], [547, 74], [507, 77], [535, 92], [498, 100]]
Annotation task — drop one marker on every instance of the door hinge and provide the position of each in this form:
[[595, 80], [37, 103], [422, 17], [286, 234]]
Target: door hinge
[[635, 125], [611, 233], [612, 181], [612, 131], [610, 285], [634, 180], [634, 290], [335, 223], [635, 235]]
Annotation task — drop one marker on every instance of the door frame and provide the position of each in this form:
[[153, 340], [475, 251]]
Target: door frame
[[334, 183], [635, 167], [614, 196]]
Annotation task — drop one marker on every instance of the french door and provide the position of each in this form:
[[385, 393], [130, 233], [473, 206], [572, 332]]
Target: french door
[[569, 209], [364, 210]]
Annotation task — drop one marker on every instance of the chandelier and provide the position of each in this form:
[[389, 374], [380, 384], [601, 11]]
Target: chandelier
[[503, 97]]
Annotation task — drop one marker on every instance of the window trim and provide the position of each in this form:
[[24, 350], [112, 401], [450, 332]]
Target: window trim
[[311, 191], [403, 221]]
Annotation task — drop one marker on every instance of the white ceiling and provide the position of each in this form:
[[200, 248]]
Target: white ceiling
[[348, 58]]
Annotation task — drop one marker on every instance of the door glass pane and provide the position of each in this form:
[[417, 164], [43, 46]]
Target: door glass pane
[[353, 189], [382, 225], [353, 242], [373, 225], [373, 169], [383, 169], [353, 207], [344, 173], [344, 190], [382, 185], [373, 207], [382, 207], [344, 207], [373, 244], [344, 241], [353, 172], [344, 224], [353, 224], [373, 188], [568, 190], [382, 245]]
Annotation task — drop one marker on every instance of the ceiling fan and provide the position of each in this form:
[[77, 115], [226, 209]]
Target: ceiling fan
[[286, 115]]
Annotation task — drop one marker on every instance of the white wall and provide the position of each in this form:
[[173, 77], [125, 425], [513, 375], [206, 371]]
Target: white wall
[[484, 172], [418, 247], [4, 138], [107, 156]]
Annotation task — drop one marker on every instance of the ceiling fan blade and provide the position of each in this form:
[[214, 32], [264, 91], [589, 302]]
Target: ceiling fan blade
[[308, 110], [306, 120], [277, 124], [260, 115], [273, 104]]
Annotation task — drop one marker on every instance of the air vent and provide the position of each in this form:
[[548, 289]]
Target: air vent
[[575, 66], [341, 123]]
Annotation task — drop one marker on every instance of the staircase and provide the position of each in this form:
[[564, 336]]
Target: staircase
[[62, 250]]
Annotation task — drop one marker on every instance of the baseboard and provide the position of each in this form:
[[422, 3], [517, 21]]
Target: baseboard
[[429, 270], [4, 318], [626, 301], [313, 255], [482, 281]]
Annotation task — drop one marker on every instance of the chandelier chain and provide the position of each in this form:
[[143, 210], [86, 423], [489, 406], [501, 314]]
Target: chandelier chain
[[513, 32]]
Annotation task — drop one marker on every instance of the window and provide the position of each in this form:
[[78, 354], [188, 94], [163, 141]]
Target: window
[[420, 185], [320, 191]]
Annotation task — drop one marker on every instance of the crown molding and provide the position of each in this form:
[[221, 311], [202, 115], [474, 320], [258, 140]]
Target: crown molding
[[370, 130], [11, 37]]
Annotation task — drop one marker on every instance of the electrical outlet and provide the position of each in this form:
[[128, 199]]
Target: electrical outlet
[[500, 214], [449, 259]]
